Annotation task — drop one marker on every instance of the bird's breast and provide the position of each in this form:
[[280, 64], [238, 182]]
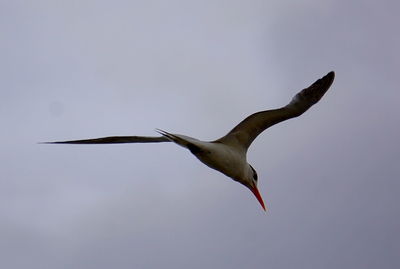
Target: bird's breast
[[223, 158]]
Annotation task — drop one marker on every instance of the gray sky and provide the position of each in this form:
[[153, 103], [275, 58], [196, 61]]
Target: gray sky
[[83, 69]]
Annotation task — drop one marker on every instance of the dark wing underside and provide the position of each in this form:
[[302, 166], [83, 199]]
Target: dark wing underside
[[115, 140], [246, 131]]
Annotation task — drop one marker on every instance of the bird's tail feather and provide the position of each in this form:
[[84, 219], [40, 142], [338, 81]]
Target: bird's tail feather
[[181, 140]]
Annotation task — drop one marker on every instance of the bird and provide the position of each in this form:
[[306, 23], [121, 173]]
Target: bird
[[228, 154]]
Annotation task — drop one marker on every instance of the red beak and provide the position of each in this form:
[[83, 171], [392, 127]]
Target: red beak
[[258, 196]]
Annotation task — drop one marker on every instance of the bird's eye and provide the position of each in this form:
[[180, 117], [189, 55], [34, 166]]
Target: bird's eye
[[255, 176]]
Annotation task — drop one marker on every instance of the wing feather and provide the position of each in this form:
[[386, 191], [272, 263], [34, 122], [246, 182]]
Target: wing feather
[[115, 140], [246, 131]]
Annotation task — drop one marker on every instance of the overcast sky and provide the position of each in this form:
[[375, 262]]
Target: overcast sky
[[85, 69]]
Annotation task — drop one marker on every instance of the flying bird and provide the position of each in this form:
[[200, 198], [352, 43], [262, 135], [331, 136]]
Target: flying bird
[[228, 153]]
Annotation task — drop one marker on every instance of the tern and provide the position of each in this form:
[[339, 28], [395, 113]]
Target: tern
[[228, 153]]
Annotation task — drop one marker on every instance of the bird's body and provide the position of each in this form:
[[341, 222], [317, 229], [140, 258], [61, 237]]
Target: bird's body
[[225, 158], [228, 153]]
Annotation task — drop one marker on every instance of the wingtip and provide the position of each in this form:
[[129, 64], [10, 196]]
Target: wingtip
[[327, 80], [56, 142], [330, 75]]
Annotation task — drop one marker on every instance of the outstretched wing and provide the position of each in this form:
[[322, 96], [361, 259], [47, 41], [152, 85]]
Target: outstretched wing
[[115, 140], [246, 131]]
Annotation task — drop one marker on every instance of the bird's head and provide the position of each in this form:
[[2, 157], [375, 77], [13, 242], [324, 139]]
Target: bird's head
[[251, 183]]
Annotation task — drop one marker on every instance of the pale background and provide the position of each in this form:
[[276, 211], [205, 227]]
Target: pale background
[[84, 69]]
